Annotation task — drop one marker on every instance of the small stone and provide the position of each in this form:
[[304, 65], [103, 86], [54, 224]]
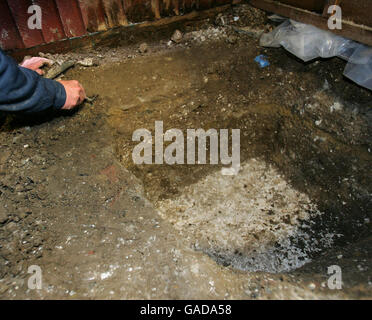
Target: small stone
[[177, 36], [232, 39], [4, 156], [312, 286], [11, 226], [143, 48], [87, 62], [24, 212], [3, 215], [16, 138]]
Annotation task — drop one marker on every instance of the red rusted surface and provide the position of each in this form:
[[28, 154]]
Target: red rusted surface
[[93, 14], [52, 28], [30, 37], [64, 19], [139, 10], [9, 35], [71, 17], [114, 13]]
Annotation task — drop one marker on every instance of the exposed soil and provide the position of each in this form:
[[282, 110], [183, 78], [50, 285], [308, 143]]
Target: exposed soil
[[99, 226]]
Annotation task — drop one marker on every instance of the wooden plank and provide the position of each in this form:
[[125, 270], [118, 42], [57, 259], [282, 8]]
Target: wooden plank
[[349, 30], [311, 5], [205, 4], [359, 12], [9, 35]]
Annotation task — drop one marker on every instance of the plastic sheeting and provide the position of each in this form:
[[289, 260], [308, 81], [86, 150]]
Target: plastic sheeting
[[308, 43]]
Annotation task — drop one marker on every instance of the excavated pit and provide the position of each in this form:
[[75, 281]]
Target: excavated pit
[[291, 200]]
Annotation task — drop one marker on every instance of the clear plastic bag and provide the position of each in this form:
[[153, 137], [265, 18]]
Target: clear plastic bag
[[359, 67], [308, 42]]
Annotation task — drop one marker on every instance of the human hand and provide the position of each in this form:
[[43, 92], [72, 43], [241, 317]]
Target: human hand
[[35, 63], [75, 94]]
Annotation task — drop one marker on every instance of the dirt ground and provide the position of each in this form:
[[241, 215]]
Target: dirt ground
[[100, 227]]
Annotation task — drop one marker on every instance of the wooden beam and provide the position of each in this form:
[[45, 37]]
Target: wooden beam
[[349, 30]]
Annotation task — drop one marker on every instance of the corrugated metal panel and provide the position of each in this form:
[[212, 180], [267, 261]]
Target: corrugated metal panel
[[114, 13], [63, 19], [93, 15], [9, 34], [71, 18], [30, 37], [53, 28]]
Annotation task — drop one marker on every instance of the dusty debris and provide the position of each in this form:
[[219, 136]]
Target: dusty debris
[[87, 62], [231, 39], [177, 36], [222, 221], [249, 31], [143, 48], [220, 20]]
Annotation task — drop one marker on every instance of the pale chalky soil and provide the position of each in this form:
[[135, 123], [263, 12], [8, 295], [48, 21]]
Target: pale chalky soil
[[246, 220]]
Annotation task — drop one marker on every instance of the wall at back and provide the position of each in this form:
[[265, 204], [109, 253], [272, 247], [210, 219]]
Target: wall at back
[[62, 19]]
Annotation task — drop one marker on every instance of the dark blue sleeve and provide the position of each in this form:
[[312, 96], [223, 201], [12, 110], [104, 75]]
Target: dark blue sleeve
[[22, 89]]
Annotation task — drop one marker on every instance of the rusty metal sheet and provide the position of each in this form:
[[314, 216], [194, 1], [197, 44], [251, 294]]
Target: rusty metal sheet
[[9, 35], [65, 19], [139, 10], [115, 13], [71, 17], [52, 28], [113, 36], [30, 37], [93, 15]]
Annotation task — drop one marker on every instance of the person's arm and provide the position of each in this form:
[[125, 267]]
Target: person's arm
[[22, 89]]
